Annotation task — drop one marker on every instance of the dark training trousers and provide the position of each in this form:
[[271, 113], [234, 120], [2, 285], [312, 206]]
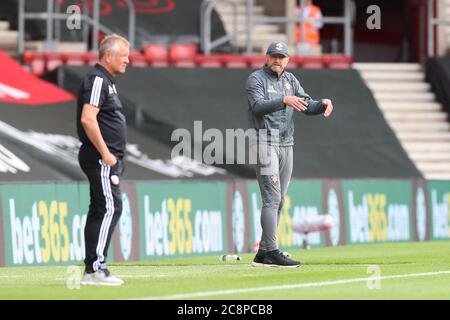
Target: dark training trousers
[[105, 206]]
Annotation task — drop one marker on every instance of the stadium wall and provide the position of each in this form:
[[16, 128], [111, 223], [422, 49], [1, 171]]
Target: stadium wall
[[42, 223], [356, 142]]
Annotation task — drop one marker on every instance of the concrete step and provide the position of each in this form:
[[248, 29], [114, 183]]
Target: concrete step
[[264, 36], [388, 67], [403, 87], [401, 97], [34, 46], [263, 28], [428, 137], [430, 156], [420, 126], [417, 107], [416, 116], [9, 39], [426, 147], [433, 167], [39, 46], [413, 76], [4, 25], [261, 41], [241, 19], [225, 8], [437, 176], [72, 47]]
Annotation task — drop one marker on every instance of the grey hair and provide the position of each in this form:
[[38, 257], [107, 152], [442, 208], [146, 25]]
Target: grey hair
[[109, 42]]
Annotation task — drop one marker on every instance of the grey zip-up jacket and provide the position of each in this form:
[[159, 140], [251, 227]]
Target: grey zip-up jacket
[[266, 110]]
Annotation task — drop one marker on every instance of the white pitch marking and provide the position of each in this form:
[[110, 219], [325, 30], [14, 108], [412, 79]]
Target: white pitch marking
[[290, 286]]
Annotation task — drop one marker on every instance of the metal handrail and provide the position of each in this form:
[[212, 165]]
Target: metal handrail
[[206, 9], [432, 22], [205, 19], [50, 16], [131, 24]]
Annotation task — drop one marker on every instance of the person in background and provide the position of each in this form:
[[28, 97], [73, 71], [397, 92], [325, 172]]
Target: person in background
[[308, 42]]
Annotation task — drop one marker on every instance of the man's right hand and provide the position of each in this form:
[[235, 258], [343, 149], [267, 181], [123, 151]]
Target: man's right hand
[[109, 159], [295, 102]]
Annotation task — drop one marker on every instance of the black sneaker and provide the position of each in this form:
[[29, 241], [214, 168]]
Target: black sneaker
[[258, 261], [276, 258]]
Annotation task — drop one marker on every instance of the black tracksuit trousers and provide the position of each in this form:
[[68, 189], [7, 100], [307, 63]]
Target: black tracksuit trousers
[[105, 206]]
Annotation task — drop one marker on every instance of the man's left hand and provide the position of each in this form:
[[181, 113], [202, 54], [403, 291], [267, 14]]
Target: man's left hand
[[328, 105]]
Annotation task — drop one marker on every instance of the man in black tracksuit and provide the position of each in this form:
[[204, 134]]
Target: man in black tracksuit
[[101, 129]]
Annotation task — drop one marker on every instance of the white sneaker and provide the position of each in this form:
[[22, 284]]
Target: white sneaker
[[87, 279], [101, 277]]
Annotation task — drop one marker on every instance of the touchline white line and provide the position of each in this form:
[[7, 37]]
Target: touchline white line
[[194, 295]]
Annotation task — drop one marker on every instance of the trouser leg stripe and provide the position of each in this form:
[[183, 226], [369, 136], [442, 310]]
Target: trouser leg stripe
[[103, 235]]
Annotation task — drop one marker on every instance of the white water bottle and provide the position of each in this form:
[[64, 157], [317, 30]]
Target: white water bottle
[[229, 257]]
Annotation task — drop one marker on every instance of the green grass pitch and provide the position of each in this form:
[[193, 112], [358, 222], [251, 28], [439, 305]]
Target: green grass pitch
[[375, 271]]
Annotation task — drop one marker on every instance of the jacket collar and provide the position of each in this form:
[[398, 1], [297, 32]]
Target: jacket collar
[[272, 73], [98, 66]]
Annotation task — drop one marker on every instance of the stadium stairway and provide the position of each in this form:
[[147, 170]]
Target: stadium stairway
[[411, 110], [10, 39], [262, 34]]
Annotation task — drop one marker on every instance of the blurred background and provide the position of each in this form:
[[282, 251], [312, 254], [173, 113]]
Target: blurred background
[[393, 55]]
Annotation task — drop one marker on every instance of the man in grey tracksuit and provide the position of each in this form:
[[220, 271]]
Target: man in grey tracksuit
[[273, 97]]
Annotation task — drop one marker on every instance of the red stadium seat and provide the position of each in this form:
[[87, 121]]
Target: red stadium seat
[[182, 52], [184, 64], [299, 61], [256, 61], [137, 59], [208, 61], [53, 60], [313, 62], [234, 61], [292, 64], [156, 55], [90, 58], [35, 61], [27, 57], [337, 61], [73, 58]]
